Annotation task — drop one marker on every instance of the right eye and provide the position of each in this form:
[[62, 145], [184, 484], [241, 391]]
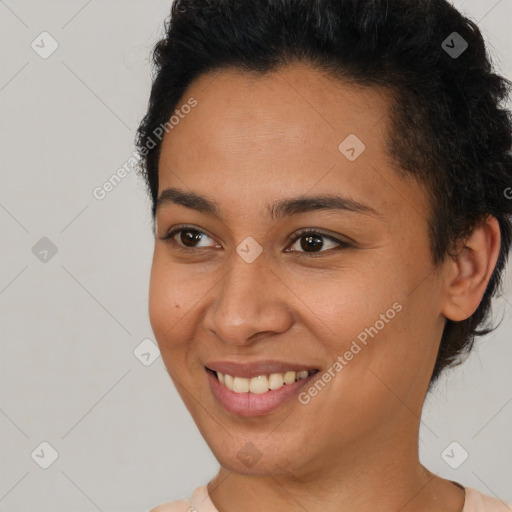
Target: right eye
[[187, 235]]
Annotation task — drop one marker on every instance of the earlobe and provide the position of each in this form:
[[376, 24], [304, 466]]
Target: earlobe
[[467, 275]]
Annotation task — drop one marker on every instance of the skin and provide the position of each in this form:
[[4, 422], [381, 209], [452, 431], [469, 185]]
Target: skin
[[254, 140]]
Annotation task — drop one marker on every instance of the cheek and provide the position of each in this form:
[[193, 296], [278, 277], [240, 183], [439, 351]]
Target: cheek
[[340, 305], [166, 302], [366, 318], [176, 297], [386, 378], [166, 315], [158, 300]]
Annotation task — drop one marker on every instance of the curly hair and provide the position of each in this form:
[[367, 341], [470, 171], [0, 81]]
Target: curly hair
[[450, 130]]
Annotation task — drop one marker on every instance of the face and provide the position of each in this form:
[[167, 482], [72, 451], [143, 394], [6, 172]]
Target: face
[[242, 291]]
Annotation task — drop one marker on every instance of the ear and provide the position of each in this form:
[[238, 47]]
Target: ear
[[467, 275]]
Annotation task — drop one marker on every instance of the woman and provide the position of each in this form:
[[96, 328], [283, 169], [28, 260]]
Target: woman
[[327, 181]]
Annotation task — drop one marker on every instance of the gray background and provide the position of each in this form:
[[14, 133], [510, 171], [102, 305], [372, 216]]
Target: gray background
[[71, 321]]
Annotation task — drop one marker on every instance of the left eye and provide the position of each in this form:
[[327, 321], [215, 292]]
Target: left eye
[[310, 240]]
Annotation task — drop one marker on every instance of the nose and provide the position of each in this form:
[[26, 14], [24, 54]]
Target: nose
[[249, 301]]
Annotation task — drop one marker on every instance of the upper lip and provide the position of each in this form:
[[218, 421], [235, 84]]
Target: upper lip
[[255, 368]]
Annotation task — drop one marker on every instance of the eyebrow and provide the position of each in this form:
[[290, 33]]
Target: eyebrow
[[279, 209]]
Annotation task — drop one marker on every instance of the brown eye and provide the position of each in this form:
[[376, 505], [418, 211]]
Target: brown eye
[[313, 241], [186, 237], [189, 237]]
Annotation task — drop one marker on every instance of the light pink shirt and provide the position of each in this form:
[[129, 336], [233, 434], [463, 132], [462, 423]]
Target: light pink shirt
[[200, 502]]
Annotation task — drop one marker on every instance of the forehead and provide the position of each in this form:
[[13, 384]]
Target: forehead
[[283, 131], [296, 101]]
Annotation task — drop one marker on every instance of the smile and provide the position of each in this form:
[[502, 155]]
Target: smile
[[256, 389], [262, 383]]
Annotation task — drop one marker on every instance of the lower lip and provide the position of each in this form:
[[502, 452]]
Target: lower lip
[[254, 404]]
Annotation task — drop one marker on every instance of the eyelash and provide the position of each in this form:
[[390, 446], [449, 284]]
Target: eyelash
[[293, 238]]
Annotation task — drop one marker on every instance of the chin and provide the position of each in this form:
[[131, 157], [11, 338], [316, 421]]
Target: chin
[[250, 460]]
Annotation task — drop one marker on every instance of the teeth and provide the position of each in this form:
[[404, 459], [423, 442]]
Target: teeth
[[228, 381], [261, 383], [275, 381], [240, 385], [258, 384], [289, 377]]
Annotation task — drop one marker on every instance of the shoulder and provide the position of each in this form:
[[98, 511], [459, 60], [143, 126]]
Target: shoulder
[[173, 506], [199, 500], [478, 502]]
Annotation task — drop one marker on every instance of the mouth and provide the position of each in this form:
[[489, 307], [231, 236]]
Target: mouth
[[261, 383], [259, 388]]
